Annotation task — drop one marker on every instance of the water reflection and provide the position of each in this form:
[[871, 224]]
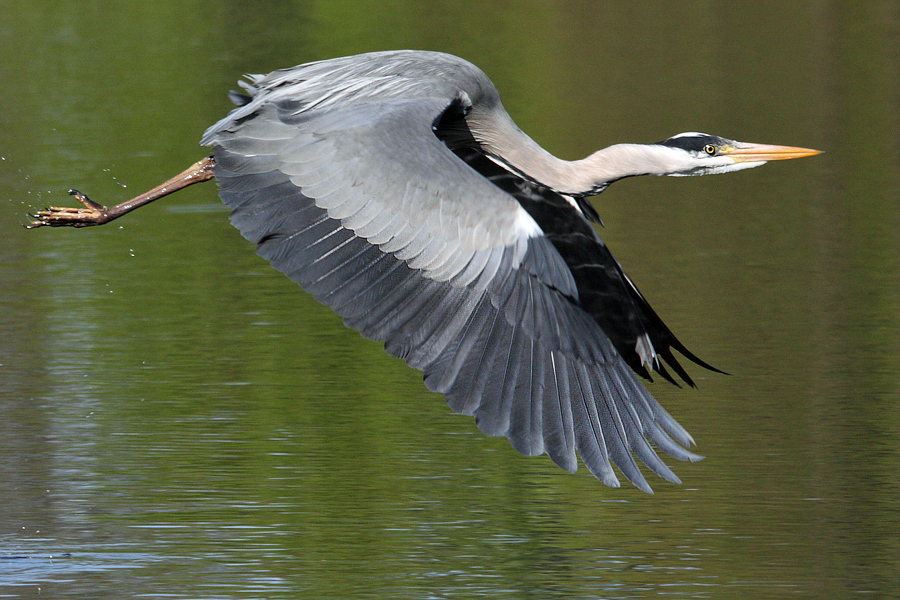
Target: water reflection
[[178, 420]]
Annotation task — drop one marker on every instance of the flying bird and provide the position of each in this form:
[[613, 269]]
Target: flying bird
[[395, 188]]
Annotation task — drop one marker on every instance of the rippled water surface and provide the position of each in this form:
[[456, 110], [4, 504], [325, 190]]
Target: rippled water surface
[[179, 420]]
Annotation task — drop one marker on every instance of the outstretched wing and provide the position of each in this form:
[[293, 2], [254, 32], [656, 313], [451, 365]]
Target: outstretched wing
[[363, 206]]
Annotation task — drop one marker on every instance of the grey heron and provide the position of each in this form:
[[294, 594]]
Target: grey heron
[[395, 188]]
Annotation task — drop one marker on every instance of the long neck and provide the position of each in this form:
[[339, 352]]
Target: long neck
[[496, 132]]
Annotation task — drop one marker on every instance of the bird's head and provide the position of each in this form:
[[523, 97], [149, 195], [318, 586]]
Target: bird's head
[[703, 154]]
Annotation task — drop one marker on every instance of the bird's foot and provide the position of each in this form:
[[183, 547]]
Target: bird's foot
[[97, 214], [67, 216]]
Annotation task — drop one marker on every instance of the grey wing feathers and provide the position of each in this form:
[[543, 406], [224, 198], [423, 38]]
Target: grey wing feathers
[[376, 218]]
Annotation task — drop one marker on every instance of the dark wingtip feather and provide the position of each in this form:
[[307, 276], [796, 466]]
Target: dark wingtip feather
[[669, 358], [587, 209], [661, 369], [691, 357]]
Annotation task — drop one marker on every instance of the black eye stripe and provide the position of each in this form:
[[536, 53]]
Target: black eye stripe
[[694, 143]]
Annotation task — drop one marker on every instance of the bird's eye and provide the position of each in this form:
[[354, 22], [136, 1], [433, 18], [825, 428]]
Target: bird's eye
[[710, 149]]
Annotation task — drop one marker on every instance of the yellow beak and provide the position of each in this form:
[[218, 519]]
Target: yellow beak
[[744, 152]]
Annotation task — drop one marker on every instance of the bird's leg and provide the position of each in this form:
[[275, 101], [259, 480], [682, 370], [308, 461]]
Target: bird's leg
[[97, 214]]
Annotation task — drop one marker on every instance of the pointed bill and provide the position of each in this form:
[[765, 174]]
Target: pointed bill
[[746, 152]]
